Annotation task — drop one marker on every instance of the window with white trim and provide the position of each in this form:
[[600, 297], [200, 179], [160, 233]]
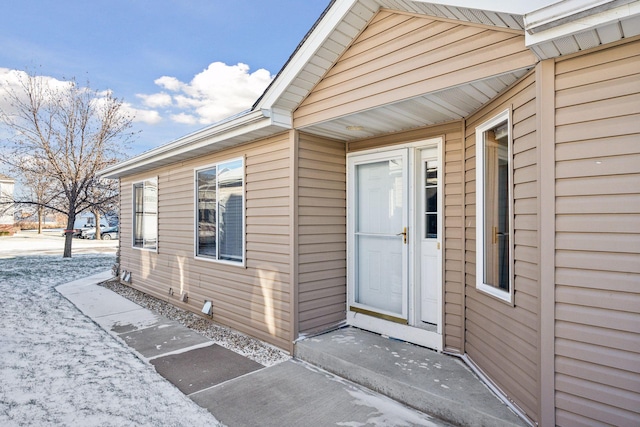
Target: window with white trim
[[494, 218], [220, 211], [145, 214]]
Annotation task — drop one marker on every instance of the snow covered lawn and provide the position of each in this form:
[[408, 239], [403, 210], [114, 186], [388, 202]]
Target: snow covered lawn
[[57, 367]]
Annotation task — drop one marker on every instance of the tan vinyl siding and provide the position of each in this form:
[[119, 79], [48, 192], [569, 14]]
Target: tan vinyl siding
[[322, 233], [503, 339], [598, 237], [452, 276], [398, 56], [256, 299]]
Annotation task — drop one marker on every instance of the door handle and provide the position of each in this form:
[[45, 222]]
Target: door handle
[[404, 235]]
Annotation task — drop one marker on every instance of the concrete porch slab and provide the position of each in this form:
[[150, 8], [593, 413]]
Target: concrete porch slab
[[198, 369], [431, 382]]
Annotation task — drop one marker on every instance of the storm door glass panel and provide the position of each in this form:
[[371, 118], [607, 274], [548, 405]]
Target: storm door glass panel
[[230, 207], [207, 212], [496, 208], [379, 247]]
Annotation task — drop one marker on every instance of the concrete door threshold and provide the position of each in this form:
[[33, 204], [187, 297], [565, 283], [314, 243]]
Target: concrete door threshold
[[434, 383]]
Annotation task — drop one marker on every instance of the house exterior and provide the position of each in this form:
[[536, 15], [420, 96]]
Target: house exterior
[[88, 219], [7, 209], [463, 179]]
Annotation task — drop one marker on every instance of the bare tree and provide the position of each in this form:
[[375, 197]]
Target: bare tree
[[105, 195], [41, 191], [69, 133]]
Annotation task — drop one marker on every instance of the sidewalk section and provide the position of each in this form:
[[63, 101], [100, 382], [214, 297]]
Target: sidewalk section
[[236, 390], [185, 358]]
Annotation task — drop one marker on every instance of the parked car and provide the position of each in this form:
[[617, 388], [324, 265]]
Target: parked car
[[110, 233], [78, 232], [87, 233], [82, 228], [107, 233]]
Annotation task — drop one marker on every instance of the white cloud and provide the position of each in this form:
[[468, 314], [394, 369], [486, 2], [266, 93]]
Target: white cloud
[[184, 118], [12, 80], [150, 117], [169, 83], [157, 100], [212, 95]]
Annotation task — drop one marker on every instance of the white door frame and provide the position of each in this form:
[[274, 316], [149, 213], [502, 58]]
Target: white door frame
[[411, 332], [352, 164]]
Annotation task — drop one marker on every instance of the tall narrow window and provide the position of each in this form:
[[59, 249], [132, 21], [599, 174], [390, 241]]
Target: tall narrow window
[[145, 218], [220, 211], [493, 207], [431, 199]]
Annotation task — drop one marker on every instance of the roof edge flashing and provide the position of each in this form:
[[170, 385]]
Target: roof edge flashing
[[321, 30], [585, 20], [240, 125], [566, 12]]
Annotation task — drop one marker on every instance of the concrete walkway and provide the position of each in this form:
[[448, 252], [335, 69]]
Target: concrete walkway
[[236, 390], [432, 382]]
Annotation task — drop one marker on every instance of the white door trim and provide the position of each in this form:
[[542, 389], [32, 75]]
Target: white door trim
[[409, 332], [353, 163]]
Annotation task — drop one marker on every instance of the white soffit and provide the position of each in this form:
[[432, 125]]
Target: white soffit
[[438, 107], [574, 25]]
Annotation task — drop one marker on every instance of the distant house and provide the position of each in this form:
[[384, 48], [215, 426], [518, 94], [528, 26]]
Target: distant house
[[87, 219], [7, 208], [464, 179]]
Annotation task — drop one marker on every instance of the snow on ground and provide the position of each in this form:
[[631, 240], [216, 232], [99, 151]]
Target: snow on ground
[[51, 242], [57, 367]]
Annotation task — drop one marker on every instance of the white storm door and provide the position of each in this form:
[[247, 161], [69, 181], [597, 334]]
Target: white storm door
[[378, 219], [431, 223]]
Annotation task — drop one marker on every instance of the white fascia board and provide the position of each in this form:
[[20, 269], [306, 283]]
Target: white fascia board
[[244, 124], [314, 41], [574, 16], [515, 7], [280, 117], [559, 10]]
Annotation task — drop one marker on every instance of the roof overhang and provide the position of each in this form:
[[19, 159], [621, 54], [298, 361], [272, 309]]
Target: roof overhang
[[432, 108], [341, 24], [570, 26], [244, 128], [332, 35]]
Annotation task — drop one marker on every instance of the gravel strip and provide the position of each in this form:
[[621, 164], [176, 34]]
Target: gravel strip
[[250, 347]]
